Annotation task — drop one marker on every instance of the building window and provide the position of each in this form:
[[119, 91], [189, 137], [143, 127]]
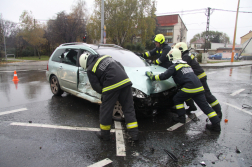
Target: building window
[[169, 40]]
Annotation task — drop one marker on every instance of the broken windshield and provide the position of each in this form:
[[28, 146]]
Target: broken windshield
[[125, 57]]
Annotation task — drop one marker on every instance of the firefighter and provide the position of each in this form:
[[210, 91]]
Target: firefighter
[[191, 87], [190, 59], [108, 78], [161, 50]]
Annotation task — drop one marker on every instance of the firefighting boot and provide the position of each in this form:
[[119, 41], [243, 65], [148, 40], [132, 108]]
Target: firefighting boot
[[191, 106], [103, 135], [134, 134], [214, 127], [181, 119]]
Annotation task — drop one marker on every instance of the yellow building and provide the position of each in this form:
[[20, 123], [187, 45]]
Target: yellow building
[[246, 37]]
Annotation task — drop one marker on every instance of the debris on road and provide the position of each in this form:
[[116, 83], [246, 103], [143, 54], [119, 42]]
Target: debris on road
[[171, 155]]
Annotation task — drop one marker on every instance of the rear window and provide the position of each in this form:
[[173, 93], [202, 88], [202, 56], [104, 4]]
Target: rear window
[[56, 55], [125, 57]]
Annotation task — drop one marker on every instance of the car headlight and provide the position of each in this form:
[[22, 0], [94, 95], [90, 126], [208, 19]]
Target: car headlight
[[137, 93]]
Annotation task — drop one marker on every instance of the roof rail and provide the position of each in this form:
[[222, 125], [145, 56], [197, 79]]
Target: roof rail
[[113, 45], [72, 43]]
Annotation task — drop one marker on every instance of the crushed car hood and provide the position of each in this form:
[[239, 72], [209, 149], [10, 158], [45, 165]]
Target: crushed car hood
[[143, 83]]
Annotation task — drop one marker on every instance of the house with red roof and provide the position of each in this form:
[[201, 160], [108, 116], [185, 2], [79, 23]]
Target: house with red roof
[[172, 27]]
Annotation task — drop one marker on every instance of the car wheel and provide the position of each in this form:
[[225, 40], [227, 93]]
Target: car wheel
[[55, 87], [118, 113]]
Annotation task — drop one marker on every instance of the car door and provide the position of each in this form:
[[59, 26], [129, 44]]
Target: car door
[[69, 69], [84, 85]]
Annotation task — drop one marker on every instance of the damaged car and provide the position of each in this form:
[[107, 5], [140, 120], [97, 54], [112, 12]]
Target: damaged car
[[65, 75]]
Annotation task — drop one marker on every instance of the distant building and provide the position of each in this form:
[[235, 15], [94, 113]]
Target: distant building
[[246, 37], [198, 44], [172, 27]]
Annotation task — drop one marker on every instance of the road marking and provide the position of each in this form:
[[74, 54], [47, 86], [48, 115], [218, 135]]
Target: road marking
[[238, 108], [120, 146], [12, 111], [237, 92], [57, 127], [176, 126], [101, 163]]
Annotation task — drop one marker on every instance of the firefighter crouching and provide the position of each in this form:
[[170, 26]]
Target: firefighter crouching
[[201, 75], [108, 78], [191, 87], [161, 50]]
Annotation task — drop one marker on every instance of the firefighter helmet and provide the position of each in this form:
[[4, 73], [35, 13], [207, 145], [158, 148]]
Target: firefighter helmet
[[83, 60], [182, 46], [159, 38], [174, 55]]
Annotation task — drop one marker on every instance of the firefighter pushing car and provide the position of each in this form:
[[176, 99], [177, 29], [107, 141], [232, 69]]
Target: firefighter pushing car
[[191, 87], [108, 78]]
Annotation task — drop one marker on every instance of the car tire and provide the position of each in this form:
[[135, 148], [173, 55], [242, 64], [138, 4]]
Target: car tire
[[55, 86]]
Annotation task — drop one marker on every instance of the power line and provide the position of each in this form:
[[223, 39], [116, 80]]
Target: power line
[[230, 10], [184, 12]]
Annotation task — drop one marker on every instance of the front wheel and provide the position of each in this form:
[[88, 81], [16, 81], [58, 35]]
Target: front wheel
[[55, 86]]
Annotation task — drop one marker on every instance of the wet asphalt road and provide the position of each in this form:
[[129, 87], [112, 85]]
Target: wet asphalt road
[[27, 146]]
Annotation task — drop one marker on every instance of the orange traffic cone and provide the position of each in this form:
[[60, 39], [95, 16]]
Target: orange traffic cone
[[15, 78]]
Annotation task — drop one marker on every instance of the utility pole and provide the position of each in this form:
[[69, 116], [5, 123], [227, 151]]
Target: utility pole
[[102, 21], [207, 28], [233, 50], [4, 38]]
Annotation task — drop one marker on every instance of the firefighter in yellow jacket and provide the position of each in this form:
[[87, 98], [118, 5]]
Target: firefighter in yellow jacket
[[191, 87], [190, 59], [108, 78]]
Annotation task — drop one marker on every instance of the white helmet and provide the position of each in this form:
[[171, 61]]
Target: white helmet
[[83, 60], [175, 56], [182, 46]]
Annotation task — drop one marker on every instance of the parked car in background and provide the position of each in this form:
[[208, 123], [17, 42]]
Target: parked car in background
[[217, 56], [65, 75]]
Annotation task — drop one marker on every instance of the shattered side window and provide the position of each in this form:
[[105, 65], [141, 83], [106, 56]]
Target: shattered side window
[[70, 57]]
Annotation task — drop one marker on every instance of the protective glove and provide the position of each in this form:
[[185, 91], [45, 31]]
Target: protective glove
[[148, 61], [139, 54], [150, 75]]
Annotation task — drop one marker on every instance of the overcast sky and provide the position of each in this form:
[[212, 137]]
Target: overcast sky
[[195, 21]]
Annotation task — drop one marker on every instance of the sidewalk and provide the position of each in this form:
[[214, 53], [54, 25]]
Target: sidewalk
[[24, 65], [226, 64]]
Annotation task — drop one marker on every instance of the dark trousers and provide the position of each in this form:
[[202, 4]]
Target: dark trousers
[[209, 97], [200, 100], [124, 96]]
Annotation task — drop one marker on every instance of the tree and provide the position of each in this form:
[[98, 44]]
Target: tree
[[67, 28], [213, 36], [124, 20], [32, 32]]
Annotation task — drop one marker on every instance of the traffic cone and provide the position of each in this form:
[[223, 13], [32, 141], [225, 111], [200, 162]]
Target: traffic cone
[[15, 78]]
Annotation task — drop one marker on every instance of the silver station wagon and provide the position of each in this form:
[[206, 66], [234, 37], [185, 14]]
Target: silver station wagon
[[65, 75]]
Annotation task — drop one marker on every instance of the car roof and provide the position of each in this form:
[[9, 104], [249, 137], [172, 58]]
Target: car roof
[[93, 46]]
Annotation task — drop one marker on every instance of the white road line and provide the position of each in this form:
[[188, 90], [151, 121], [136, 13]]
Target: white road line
[[176, 126], [57, 127], [238, 108], [237, 92], [12, 111], [101, 163], [120, 146]]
